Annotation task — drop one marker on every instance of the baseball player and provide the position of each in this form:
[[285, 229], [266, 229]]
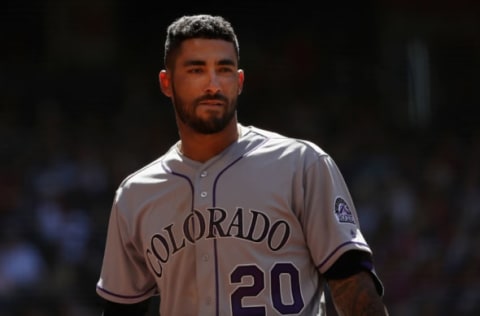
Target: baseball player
[[232, 219]]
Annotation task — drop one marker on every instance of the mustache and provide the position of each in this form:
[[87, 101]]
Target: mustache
[[209, 97]]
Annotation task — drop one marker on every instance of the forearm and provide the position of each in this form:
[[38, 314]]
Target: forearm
[[356, 296]]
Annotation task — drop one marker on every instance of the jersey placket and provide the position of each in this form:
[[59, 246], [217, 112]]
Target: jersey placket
[[204, 246]]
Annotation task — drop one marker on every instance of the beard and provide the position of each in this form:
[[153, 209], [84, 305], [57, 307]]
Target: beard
[[211, 125]]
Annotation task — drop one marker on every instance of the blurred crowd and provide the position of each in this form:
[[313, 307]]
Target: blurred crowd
[[80, 110]]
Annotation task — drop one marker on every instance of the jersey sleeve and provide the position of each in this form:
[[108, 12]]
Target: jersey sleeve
[[124, 277], [330, 220]]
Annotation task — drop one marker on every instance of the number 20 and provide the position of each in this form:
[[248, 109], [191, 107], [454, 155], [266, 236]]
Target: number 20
[[259, 284]]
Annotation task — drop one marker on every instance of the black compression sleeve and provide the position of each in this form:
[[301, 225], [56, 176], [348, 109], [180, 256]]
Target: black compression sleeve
[[117, 309], [352, 262], [349, 263]]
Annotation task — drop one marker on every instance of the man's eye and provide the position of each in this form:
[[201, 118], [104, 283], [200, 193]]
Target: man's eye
[[195, 70], [226, 69]]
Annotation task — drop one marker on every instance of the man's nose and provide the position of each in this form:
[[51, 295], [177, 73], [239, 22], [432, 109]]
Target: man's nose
[[213, 84]]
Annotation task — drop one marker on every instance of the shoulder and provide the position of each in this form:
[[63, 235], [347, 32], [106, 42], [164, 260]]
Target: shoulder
[[286, 144], [143, 186], [150, 172]]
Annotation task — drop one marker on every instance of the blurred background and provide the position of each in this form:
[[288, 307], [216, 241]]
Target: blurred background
[[389, 88]]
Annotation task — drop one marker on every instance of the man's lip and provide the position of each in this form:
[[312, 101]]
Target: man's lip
[[211, 102]]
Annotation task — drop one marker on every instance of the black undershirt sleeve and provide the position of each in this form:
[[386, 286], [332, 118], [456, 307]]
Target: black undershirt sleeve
[[352, 262], [117, 309]]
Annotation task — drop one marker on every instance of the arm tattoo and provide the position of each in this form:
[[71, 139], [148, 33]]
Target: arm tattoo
[[356, 295]]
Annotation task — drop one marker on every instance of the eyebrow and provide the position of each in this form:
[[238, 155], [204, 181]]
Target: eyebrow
[[197, 62]]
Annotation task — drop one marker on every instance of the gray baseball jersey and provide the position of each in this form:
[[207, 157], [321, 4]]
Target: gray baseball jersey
[[248, 232]]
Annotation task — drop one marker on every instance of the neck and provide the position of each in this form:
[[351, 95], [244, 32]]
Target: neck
[[202, 147]]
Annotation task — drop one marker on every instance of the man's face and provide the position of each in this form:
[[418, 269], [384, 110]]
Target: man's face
[[204, 84]]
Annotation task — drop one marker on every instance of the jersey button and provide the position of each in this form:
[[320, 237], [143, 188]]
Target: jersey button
[[203, 174], [203, 194], [205, 257]]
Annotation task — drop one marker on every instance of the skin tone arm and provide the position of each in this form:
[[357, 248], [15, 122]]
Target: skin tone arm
[[356, 296]]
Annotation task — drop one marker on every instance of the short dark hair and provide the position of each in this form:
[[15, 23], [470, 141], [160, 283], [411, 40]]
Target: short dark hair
[[197, 26]]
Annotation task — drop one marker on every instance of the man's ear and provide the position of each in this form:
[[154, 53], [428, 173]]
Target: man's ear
[[241, 79], [165, 83]]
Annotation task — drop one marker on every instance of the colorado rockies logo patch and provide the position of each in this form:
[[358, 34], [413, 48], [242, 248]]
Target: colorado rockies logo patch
[[343, 212]]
